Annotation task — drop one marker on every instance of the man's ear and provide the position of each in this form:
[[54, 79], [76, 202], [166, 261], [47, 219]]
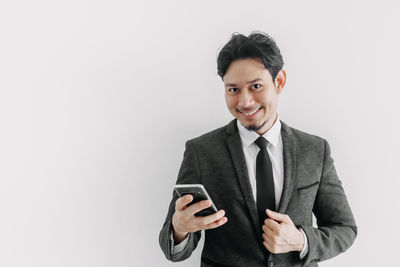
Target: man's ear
[[280, 81]]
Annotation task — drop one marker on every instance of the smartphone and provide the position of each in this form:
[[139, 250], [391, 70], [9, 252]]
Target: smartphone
[[199, 193]]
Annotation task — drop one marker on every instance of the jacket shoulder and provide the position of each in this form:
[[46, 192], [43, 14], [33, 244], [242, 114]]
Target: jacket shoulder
[[301, 136], [211, 138]]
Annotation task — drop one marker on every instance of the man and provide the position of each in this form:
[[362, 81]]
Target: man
[[266, 177]]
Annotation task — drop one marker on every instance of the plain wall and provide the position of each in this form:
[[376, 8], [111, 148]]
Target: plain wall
[[97, 99]]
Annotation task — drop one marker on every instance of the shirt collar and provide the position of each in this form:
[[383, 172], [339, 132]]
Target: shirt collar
[[272, 135]]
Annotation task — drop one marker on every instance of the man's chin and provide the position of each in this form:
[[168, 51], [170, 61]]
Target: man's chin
[[254, 127]]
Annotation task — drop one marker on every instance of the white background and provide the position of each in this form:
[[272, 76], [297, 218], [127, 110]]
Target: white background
[[98, 97]]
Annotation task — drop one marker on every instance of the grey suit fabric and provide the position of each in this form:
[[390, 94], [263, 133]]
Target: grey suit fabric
[[311, 185]]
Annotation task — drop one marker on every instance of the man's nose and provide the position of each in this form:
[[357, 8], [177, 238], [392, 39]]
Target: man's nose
[[245, 99]]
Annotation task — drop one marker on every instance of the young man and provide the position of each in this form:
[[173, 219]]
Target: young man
[[266, 177]]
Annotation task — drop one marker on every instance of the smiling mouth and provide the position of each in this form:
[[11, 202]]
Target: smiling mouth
[[251, 113]]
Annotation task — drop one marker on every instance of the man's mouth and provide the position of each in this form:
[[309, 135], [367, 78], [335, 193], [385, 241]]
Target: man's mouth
[[250, 114]]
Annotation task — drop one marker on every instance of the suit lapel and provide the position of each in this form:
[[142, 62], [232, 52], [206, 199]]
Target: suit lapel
[[289, 159], [239, 163]]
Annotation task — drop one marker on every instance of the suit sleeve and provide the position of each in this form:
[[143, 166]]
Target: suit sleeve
[[189, 173], [337, 229]]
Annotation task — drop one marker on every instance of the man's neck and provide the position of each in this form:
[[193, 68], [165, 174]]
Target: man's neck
[[268, 125]]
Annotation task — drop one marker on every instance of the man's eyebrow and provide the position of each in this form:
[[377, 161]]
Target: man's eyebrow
[[252, 81]]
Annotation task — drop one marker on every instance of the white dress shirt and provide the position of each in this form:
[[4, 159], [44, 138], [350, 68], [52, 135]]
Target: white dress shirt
[[275, 152], [250, 150]]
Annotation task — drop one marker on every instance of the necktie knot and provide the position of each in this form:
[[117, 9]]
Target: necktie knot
[[261, 142]]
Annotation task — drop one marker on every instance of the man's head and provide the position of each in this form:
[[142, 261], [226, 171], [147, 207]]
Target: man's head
[[251, 69]]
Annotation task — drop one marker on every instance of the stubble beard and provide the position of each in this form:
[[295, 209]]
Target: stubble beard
[[255, 128]]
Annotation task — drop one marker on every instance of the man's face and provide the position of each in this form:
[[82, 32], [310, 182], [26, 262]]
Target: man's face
[[251, 95]]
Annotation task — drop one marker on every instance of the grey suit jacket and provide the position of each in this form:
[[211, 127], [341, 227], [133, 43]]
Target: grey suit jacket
[[311, 185]]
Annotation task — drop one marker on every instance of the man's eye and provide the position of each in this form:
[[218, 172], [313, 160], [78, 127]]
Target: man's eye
[[256, 86], [233, 90]]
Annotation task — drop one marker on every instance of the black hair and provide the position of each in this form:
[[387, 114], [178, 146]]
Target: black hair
[[257, 45]]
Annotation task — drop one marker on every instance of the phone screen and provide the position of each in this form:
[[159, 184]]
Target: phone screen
[[199, 194]]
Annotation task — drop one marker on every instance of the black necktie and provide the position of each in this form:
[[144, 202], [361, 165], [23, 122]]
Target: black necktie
[[265, 181]]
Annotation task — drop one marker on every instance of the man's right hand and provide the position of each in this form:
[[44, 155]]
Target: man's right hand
[[184, 221]]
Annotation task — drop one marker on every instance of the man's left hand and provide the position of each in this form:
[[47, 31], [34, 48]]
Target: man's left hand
[[280, 235]]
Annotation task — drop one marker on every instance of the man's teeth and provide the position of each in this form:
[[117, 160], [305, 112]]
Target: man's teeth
[[250, 113]]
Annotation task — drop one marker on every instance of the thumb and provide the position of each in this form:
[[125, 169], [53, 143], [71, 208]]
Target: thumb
[[181, 202], [276, 216]]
